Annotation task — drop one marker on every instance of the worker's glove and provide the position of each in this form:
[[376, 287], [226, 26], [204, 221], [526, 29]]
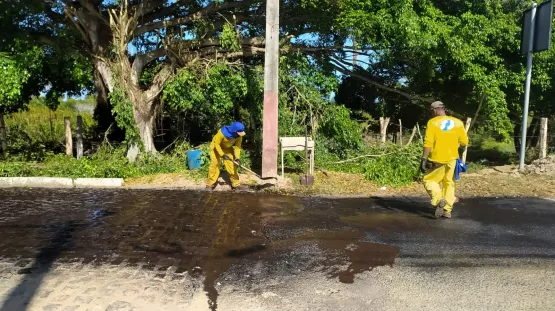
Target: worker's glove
[[423, 165], [226, 157], [238, 162]]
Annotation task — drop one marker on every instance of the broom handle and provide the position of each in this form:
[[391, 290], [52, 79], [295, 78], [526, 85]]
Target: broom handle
[[246, 169]]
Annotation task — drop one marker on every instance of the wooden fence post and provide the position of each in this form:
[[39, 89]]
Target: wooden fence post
[[79, 137], [401, 133], [384, 122], [3, 138], [466, 127], [69, 139], [411, 135], [543, 138], [419, 134]]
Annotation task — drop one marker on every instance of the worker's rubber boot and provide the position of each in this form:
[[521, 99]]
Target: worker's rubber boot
[[446, 215], [439, 208]]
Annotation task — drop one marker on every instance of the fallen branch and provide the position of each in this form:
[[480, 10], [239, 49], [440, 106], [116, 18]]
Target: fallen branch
[[368, 156]]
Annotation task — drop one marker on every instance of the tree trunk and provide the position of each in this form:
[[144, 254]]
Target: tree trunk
[[103, 111], [145, 126]]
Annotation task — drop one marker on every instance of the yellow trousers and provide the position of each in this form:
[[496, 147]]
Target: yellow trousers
[[214, 169], [439, 178]]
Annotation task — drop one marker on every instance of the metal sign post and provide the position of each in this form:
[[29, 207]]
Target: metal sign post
[[528, 16], [536, 37]]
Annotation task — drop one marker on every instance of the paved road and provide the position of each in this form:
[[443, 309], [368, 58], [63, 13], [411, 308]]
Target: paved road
[[177, 250]]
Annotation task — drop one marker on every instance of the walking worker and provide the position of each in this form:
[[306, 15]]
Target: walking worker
[[226, 145], [444, 135]]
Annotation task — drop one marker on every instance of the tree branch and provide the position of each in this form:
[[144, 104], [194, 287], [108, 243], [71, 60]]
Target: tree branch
[[158, 82], [153, 13], [71, 16], [87, 4], [202, 13], [341, 68], [247, 51], [301, 48], [141, 60]]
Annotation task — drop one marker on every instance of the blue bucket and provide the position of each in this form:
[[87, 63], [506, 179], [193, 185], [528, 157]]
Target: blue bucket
[[194, 160]]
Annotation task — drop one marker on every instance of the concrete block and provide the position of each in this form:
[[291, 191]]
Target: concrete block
[[98, 182], [37, 182]]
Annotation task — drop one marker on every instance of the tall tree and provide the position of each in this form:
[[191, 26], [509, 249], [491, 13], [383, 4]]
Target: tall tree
[[129, 39], [462, 52]]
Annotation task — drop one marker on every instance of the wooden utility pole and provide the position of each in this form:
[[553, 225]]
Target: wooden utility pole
[[543, 138], [3, 138], [270, 119], [69, 139], [79, 137]]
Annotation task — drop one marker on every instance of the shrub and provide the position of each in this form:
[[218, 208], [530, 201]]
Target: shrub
[[397, 168], [341, 133], [38, 131]]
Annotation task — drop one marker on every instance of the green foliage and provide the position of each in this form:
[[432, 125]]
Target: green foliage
[[229, 38], [462, 52], [17, 67], [384, 164], [122, 110], [110, 162], [183, 92], [106, 163], [224, 85], [37, 132], [341, 132], [399, 167], [207, 97]]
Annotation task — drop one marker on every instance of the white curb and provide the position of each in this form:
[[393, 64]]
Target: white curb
[[42, 182], [98, 182], [56, 182]]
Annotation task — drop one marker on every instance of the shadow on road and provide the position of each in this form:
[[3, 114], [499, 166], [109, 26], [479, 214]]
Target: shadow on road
[[416, 208], [22, 295]]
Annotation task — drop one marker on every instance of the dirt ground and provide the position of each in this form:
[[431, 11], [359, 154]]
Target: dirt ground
[[502, 181]]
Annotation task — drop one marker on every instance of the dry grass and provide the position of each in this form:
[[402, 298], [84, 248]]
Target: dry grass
[[486, 183]]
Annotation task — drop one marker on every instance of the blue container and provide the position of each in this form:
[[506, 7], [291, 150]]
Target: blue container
[[194, 160]]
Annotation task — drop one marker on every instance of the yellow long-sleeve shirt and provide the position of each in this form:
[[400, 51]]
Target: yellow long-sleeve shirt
[[443, 136], [220, 142]]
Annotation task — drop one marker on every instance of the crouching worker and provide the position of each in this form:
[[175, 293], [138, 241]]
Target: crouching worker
[[444, 134], [226, 145]]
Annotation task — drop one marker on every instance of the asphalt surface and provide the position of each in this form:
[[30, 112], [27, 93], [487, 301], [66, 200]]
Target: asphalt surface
[[267, 252]]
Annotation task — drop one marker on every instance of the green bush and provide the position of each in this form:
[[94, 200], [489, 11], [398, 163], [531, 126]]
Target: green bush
[[341, 133], [398, 167], [384, 164], [109, 162], [38, 131]]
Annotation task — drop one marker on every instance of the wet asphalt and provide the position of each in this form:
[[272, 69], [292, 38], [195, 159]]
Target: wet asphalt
[[212, 234]]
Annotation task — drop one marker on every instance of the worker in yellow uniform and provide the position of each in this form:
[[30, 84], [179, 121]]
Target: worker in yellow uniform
[[444, 136], [226, 145]]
